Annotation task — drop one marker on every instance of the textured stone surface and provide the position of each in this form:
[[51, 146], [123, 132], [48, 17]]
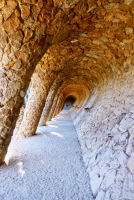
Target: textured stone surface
[[106, 135], [39, 88], [89, 50], [131, 163]]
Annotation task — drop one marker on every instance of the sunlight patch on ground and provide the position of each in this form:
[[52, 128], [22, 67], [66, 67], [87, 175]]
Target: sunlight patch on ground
[[53, 126], [57, 134], [47, 166], [21, 171]]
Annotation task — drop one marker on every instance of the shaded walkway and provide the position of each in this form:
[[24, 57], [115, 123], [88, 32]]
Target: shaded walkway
[[47, 166]]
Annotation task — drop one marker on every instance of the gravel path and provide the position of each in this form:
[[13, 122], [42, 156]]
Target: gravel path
[[47, 166]]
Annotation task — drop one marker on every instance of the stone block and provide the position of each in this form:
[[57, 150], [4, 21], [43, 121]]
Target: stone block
[[123, 159], [131, 131], [100, 195], [25, 11], [108, 195], [126, 124], [95, 184], [128, 2], [128, 188], [130, 163], [116, 193], [110, 178]]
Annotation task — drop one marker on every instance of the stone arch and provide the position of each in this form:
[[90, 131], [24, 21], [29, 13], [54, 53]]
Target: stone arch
[[68, 103]]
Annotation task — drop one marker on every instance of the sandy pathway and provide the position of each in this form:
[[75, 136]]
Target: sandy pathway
[[47, 166]]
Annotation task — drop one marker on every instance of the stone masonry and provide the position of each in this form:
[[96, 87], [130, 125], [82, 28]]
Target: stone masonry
[[106, 135], [78, 48]]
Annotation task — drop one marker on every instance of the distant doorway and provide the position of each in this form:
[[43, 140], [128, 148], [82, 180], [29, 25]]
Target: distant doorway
[[69, 103]]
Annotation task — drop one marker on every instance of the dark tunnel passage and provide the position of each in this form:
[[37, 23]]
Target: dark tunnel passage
[[69, 102]]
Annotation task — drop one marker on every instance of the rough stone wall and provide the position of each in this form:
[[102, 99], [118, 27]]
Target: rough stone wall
[[106, 132]]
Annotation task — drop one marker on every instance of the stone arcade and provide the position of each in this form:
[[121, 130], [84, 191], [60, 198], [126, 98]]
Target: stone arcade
[[78, 48]]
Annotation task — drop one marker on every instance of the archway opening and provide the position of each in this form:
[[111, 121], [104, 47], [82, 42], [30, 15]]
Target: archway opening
[[69, 102]]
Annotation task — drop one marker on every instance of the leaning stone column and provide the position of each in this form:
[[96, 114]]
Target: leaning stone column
[[46, 110], [53, 107], [54, 99], [57, 107], [16, 68], [55, 103], [48, 105], [39, 89]]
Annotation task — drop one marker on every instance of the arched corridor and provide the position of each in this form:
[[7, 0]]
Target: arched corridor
[[55, 50]]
